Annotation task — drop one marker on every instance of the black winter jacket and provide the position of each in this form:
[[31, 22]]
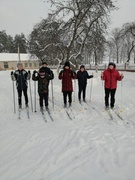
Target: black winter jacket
[[21, 78], [42, 82], [82, 77]]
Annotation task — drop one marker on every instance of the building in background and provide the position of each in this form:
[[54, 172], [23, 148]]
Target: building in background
[[9, 61]]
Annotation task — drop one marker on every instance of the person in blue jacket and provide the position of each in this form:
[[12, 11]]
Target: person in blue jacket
[[82, 76]]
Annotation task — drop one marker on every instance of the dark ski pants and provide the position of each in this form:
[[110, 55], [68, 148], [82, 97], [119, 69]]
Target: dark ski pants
[[82, 89], [20, 96], [43, 97], [110, 92], [69, 94]]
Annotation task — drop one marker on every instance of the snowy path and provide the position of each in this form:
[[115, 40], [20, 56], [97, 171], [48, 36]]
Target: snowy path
[[90, 146]]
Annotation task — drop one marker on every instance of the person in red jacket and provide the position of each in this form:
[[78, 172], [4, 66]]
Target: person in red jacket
[[110, 76], [66, 75]]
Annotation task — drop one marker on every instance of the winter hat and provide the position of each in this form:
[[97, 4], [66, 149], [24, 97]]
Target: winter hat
[[19, 64], [82, 66], [44, 63], [111, 64], [67, 64], [42, 72]]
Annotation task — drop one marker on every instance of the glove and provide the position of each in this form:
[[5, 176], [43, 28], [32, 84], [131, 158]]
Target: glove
[[61, 73], [73, 73], [91, 76], [102, 75], [122, 76], [34, 72], [29, 72], [29, 75], [12, 76], [51, 74]]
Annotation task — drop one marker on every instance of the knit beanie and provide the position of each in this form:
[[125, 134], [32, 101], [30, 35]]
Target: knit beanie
[[82, 66], [67, 64], [111, 64], [44, 63]]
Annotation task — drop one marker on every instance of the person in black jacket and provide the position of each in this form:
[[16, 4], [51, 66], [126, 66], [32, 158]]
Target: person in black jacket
[[43, 82], [82, 76], [21, 76], [47, 70]]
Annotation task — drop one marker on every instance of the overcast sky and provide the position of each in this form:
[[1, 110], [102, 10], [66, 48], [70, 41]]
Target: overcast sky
[[18, 16]]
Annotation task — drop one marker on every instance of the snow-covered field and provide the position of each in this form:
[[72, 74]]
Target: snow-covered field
[[91, 146]]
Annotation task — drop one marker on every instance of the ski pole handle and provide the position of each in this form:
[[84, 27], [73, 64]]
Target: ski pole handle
[[121, 94], [35, 94], [91, 87]]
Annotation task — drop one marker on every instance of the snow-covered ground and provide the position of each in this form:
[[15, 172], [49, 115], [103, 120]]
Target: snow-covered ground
[[91, 146]]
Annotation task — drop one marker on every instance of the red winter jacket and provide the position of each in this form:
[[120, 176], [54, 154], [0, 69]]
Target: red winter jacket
[[67, 75], [111, 77]]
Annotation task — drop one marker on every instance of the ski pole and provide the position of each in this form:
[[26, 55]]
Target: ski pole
[[121, 95], [14, 97], [52, 94], [102, 88], [102, 91], [30, 95], [74, 88], [35, 95], [91, 88]]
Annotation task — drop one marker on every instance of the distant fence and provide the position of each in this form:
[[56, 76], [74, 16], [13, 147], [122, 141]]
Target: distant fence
[[100, 67]]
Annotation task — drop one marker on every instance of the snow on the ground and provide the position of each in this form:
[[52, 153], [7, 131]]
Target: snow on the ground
[[91, 146]]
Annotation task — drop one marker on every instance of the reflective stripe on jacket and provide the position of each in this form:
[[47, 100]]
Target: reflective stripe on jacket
[[21, 79]]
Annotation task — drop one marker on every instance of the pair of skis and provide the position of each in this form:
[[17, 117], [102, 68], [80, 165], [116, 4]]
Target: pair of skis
[[44, 116], [69, 112], [86, 105], [109, 111], [27, 111]]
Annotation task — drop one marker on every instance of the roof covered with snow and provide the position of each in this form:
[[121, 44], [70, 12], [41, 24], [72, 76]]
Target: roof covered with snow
[[14, 57]]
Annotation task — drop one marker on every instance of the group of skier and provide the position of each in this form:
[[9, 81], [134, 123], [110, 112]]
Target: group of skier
[[66, 75], [45, 74]]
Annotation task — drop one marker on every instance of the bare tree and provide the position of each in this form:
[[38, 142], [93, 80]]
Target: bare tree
[[129, 33], [115, 44], [44, 41], [82, 19]]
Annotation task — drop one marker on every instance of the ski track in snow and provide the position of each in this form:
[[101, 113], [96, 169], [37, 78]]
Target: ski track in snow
[[90, 146]]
